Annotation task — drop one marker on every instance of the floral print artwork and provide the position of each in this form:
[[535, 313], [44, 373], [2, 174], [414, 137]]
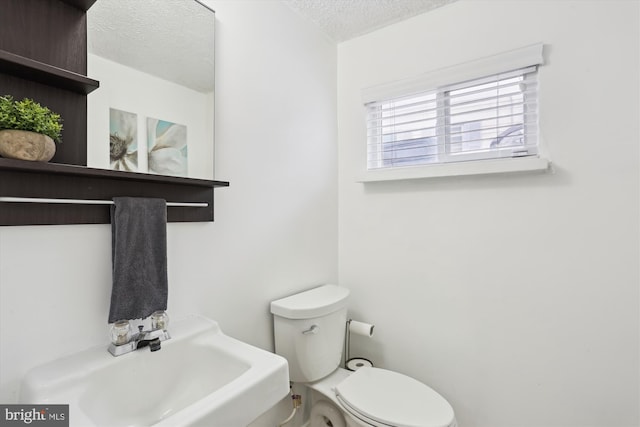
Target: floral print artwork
[[167, 147], [123, 140]]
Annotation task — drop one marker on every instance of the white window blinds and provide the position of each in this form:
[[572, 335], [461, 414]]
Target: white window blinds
[[482, 118]]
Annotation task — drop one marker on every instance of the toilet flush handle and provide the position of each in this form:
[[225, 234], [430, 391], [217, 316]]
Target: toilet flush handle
[[312, 330]]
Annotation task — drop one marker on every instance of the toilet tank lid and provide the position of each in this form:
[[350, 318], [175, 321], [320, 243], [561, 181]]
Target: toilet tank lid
[[315, 302]]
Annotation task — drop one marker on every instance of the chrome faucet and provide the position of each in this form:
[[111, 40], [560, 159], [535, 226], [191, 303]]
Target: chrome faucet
[[122, 342]]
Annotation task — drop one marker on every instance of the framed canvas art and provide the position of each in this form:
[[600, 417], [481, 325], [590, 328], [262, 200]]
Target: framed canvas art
[[123, 140], [167, 147]]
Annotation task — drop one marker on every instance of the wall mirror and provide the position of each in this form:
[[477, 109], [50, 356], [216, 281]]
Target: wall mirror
[[153, 112]]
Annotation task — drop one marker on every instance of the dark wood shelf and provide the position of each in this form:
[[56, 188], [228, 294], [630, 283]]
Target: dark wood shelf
[[56, 181], [73, 170], [29, 69], [80, 4]]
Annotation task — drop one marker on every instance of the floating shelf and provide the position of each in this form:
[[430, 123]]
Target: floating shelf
[[80, 4], [47, 180], [29, 69]]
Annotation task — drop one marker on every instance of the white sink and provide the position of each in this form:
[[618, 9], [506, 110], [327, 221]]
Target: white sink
[[200, 377]]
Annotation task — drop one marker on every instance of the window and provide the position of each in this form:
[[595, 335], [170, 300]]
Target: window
[[486, 118], [482, 110]]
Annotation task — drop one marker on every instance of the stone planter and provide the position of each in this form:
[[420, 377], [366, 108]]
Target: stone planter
[[25, 145]]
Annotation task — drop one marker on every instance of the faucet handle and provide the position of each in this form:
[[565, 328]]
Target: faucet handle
[[140, 328], [159, 320], [120, 332]]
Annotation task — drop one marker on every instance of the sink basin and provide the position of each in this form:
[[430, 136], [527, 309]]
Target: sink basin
[[200, 377]]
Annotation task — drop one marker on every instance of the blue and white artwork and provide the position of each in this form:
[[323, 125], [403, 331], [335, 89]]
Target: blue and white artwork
[[167, 147]]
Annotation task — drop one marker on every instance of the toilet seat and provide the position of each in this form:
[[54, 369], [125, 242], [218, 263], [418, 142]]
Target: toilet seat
[[386, 398]]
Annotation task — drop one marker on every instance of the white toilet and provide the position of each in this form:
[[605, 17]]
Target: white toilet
[[309, 330]]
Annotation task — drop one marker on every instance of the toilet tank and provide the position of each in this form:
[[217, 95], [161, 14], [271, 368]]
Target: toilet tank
[[309, 330]]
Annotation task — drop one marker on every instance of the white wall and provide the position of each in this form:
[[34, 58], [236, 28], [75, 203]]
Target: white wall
[[275, 229], [514, 296]]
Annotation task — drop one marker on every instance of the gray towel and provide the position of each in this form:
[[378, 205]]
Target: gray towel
[[139, 257]]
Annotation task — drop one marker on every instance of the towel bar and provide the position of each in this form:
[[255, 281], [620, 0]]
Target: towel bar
[[92, 202]]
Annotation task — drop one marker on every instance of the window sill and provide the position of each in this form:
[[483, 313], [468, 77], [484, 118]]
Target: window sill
[[480, 167]]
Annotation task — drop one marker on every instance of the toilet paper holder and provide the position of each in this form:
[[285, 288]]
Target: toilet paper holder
[[358, 328]]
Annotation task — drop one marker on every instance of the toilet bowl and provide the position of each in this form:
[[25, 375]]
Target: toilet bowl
[[309, 330], [324, 414], [376, 397]]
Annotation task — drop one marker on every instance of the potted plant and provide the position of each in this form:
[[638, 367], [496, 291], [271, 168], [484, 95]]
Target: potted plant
[[28, 130]]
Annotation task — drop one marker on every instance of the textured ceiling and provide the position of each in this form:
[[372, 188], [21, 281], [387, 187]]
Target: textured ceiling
[[345, 19], [171, 39]]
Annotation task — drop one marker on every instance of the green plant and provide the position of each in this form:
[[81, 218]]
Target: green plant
[[29, 115]]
